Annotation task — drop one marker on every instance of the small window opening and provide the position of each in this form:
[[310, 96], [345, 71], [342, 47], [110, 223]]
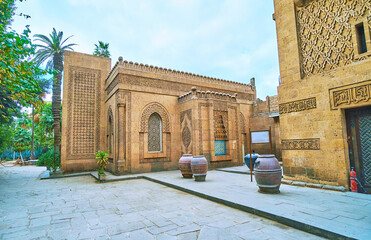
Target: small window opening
[[361, 38]]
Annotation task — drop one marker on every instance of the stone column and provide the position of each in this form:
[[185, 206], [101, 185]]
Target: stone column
[[121, 139]]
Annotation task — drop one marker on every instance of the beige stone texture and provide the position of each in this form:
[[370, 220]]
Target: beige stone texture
[[300, 80], [187, 104], [83, 111]]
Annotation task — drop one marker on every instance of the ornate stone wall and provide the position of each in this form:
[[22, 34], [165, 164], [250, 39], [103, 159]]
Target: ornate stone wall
[[322, 74], [325, 33]]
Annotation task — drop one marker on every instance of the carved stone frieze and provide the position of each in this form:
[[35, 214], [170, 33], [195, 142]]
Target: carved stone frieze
[[160, 110], [186, 130], [84, 105], [352, 95], [297, 106], [301, 144], [325, 33]]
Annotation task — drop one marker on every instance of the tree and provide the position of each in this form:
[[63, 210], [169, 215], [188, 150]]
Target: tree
[[44, 85], [51, 50], [101, 49], [18, 86]]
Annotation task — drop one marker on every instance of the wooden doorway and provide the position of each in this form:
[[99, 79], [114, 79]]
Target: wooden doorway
[[359, 142]]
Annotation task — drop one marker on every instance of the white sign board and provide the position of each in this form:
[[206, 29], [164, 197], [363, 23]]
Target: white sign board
[[260, 137]]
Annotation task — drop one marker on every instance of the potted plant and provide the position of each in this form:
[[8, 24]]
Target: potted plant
[[102, 157]]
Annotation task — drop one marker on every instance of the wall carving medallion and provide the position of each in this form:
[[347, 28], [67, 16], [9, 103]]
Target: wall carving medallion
[[325, 33], [352, 95], [301, 144], [155, 108], [297, 106], [186, 126], [84, 106]]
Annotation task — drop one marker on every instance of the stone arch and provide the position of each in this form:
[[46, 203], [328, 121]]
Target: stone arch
[[151, 108]]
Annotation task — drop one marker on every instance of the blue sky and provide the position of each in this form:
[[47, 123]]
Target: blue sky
[[231, 39]]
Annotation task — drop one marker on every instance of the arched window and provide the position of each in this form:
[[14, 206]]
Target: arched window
[[154, 133]]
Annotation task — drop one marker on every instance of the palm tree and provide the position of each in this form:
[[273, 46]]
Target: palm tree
[[51, 50], [101, 49]]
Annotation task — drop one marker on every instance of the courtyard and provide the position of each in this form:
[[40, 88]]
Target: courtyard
[[81, 208]]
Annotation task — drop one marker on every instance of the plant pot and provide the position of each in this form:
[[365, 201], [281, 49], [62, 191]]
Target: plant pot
[[199, 167], [185, 165], [268, 173], [254, 156], [102, 177]]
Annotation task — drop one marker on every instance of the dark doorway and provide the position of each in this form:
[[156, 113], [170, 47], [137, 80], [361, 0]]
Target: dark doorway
[[359, 142]]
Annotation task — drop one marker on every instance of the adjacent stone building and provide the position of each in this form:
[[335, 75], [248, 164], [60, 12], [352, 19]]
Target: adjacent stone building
[[147, 116], [324, 98]]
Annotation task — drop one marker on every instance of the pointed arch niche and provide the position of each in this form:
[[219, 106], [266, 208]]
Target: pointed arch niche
[[154, 135]]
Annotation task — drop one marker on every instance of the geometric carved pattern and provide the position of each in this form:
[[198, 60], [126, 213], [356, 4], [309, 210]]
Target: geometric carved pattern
[[185, 124], [154, 133], [160, 110], [221, 125], [350, 95], [325, 33], [297, 106], [364, 122], [220, 148], [220, 133], [242, 123], [301, 144], [84, 112]]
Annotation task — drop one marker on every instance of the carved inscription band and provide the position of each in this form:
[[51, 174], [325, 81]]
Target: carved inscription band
[[297, 106], [351, 95], [301, 144]]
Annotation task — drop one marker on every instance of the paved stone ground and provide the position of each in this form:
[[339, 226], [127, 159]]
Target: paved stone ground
[[344, 213], [80, 208]]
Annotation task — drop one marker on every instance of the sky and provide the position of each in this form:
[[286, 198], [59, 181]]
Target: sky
[[229, 39]]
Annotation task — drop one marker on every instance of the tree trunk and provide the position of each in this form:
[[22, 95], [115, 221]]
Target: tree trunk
[[56, 104], [32, 157]]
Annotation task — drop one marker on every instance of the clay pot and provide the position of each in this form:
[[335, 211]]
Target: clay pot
[[268, 173], [199, 168], [254, 156], [185, 165]]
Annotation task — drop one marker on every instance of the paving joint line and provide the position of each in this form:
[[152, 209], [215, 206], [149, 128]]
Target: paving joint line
[[283, 220]]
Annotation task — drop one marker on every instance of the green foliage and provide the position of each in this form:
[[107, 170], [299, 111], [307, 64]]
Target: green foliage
[[101, 49], [22, 139], [44, 136], [102, 157], [6, 136], [8, 159], [17, 71], [47, 160]]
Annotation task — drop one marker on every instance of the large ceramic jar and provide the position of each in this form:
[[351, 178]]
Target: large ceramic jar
[[199, 168], [185, 165], [268, 173], [254, 156]]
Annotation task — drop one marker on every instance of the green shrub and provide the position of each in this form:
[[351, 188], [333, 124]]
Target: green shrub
[[8, 159], [46, 160]]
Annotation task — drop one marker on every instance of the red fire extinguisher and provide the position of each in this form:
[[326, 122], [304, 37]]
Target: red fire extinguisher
[[353, 180]]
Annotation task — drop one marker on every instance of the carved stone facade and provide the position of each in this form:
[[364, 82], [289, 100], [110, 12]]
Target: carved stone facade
[[324, 51], [325, 33], [147, 117]]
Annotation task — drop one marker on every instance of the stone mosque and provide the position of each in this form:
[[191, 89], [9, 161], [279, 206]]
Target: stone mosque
[[148, 116]]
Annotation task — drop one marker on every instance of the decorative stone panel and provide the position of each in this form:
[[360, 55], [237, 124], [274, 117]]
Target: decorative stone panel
[[160, 110], [351, 95], [297, 106], [301, 144], [325, 33], [186, 131], [83, 134]]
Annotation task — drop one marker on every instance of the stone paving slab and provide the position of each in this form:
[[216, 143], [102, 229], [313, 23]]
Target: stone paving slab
[[325, 213], [345, 214], [136, 209]]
